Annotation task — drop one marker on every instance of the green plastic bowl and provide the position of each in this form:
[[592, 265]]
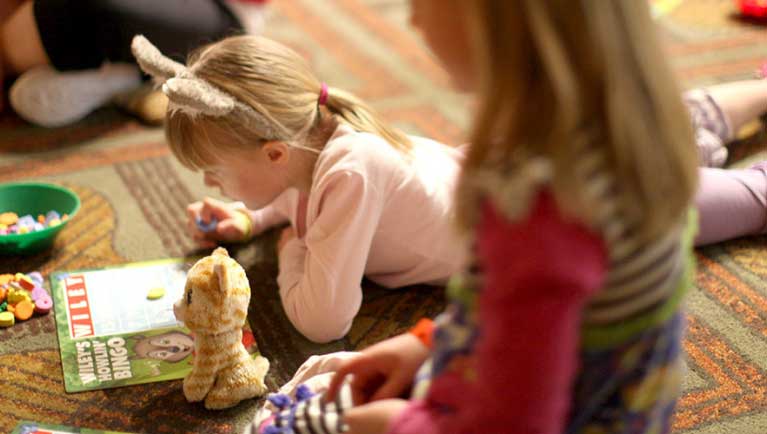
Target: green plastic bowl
[[35, 198]]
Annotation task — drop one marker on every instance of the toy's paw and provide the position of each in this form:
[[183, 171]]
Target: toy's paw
[[214, 402], [193, 392], [253, 375], [260, 368]]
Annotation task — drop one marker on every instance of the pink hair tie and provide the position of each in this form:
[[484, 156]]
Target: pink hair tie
[[323, 94]]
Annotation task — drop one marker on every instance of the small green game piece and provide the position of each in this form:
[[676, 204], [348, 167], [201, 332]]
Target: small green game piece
[[156, 293]]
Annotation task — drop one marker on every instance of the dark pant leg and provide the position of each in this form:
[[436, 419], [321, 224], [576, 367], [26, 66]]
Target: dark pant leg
[[80, 34]]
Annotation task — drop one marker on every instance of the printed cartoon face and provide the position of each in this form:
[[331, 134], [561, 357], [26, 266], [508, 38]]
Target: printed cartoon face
[[169, 347]]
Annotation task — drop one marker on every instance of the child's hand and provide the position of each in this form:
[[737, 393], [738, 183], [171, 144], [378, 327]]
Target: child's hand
[[384, 370], [286, 235], [233, 222], [375, 417]]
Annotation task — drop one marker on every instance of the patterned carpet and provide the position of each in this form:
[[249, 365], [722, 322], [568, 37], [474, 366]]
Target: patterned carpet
[[134, 193]]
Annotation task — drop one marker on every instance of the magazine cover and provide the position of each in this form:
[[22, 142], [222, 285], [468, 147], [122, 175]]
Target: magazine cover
[[26, 427], [116, 325]]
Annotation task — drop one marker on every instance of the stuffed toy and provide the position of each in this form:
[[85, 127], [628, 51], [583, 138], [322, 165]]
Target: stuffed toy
[[214, 307]]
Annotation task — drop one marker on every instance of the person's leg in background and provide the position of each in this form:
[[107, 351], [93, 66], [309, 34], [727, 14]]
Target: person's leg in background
[[67, 42], [731, 202], [11, 27]]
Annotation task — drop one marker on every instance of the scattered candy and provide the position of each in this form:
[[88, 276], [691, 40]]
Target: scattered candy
[[24, 310], [155, 293], [7, 319], [25, 281], [21, 296], [43, 305], [11, 223], [36, 277], [9, 218], [17, 295], [38, 292]]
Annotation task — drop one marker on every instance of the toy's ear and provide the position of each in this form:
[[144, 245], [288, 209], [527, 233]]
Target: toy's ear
[[222, 271], [221, 251]]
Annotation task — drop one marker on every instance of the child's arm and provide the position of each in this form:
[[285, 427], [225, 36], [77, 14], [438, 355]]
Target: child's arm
[[276, 213], [320, 275], [266, 218], [538, 274]]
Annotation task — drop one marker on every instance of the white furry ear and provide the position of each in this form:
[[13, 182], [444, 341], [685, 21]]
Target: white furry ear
[[196, 95], [190, 94], [153, 62]]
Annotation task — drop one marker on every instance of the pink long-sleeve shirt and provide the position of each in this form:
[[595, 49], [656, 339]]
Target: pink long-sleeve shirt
[[372, 211]]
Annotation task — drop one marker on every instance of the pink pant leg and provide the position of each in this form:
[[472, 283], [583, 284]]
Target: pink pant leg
[[731, 203]]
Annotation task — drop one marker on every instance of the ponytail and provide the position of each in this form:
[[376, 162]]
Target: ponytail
[[363, 118]]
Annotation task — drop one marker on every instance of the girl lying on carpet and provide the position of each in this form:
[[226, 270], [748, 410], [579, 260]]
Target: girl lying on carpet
[[569, 319], [361, 197], [366, 200]]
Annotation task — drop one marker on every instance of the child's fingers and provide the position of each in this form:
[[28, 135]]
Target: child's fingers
[[192, 211], [209, 209], [215, 208], [191, 222], [392, 388], [193, 208], [207, 244], [363, 389], [360, 366], [206, 241], [366, 381], [202, 239], [335, 384], [229, 230], [193, 230]]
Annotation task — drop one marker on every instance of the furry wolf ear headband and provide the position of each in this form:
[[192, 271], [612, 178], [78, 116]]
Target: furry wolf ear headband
[[186, 92]]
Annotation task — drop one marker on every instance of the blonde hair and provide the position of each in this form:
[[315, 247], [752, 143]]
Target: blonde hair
[[558, 76], [278, 85]]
